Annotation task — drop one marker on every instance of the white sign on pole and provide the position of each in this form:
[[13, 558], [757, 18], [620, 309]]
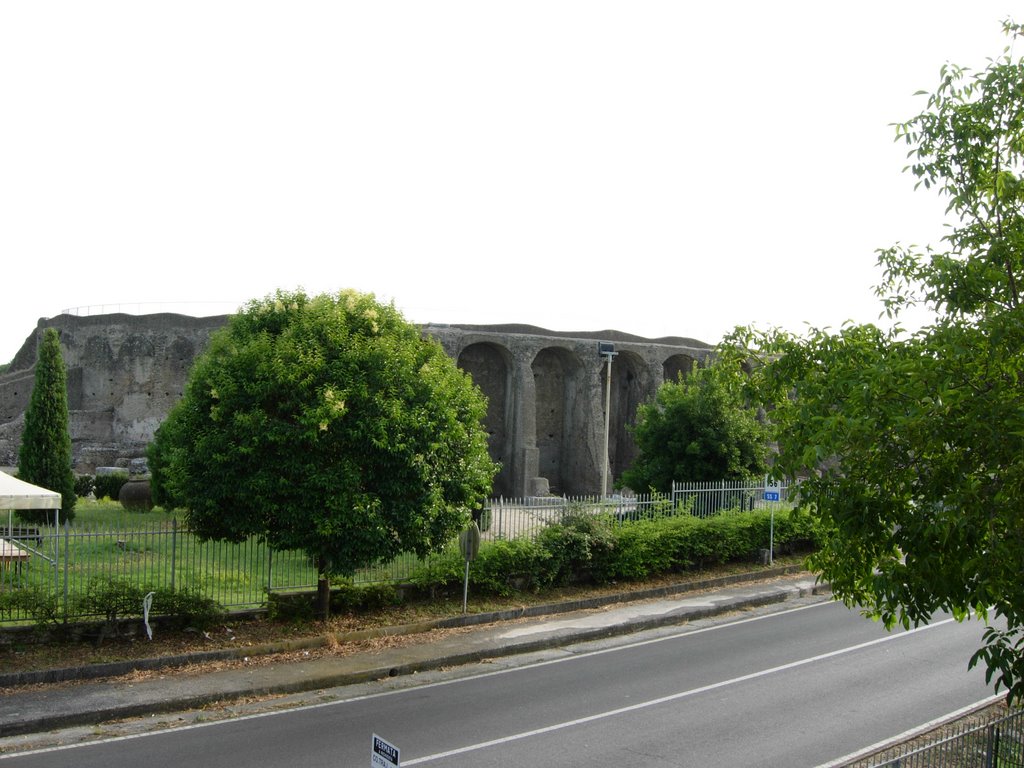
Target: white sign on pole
[[772, 489], [383, 754]]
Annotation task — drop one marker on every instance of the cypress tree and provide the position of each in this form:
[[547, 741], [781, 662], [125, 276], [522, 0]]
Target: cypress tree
[[44, 458]]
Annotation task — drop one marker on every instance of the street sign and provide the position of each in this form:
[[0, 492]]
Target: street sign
[[772, 489], [383, 754]]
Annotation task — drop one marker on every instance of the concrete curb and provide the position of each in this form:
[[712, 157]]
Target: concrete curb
[[118, 668], [96, 702]]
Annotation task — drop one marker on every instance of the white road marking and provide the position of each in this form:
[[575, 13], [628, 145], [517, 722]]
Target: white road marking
[[672, 697], [510, 670]]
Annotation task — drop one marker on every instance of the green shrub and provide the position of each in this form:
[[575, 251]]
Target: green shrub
[[109, 486], [84, 485], [295, 607], [797, 531], [504, 567], [348, 598], [186, 607], [575, 544], [39, 603], [637, 554], [116, 599], [300, 607], [684, 542], [439, 571], [585, 546], [112, 599]]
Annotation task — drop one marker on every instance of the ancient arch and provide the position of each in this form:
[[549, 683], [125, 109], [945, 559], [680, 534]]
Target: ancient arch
[[490, 367], [676, 366], [632, 384]]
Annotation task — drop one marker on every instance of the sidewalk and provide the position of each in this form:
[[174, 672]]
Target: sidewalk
[[34, 709]]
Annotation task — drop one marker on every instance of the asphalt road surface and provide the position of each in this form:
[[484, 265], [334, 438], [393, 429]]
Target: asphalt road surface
[[797, 687]]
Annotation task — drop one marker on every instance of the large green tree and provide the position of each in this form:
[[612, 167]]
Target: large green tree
[[697, 429], [326, 424], [914, 441], [44, 457]]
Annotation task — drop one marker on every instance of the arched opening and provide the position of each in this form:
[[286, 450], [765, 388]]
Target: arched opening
[[555, 377], [677, 366], [488, 366], [631, 385]]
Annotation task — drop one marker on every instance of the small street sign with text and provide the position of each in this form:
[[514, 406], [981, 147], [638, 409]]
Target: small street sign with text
[[383, 754], [772, 489]]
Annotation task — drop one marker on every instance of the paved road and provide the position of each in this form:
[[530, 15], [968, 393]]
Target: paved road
[[796, 688]]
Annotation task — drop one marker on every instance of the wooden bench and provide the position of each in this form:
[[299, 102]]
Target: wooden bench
[[11, 554]]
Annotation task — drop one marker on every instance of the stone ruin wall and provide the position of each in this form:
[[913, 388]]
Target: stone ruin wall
[[545, 389]]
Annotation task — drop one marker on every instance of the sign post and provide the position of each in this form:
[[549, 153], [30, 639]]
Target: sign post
[[772, 492], [383, 754]]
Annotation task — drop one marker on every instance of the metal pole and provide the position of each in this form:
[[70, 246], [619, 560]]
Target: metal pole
[[607, 424], [174, 550], [465, 588], [67, 533]]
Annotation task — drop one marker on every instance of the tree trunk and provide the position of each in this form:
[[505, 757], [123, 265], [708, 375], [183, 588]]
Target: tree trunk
[[323, 595]]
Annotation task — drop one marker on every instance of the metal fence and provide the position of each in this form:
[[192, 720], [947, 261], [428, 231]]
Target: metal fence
[[524, 517], [68, 560], [713, 498], [999, 742]]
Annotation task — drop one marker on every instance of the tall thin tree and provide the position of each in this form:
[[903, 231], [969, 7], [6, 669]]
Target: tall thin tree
[[44, 457]]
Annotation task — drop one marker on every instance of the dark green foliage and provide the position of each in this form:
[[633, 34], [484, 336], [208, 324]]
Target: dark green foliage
[[109, 486], [697, 429], [656, 547], [38, 602], [44, 458], [504, 567], [117, 599], [112, 599], [576, 545], [186, 607], [328, 425], [348, 598], [440, 571], [913, 443], [597, 549], [300, 607], [635, 555], [84, 485]]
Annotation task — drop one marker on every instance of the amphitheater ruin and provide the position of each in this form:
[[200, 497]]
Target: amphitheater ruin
[[546, 391]]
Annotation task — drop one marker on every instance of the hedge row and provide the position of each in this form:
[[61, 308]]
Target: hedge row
[[102, 486], [585, 548], [114, 600]]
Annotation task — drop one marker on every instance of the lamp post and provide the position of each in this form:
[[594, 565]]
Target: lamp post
[[607, 351]]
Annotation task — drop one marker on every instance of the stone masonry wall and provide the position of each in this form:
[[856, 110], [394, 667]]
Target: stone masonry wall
[[546, 391]]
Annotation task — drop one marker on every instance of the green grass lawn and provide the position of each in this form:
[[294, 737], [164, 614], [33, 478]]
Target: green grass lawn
[[153, 549]]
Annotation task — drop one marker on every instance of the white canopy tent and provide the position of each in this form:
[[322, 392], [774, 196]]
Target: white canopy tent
[[17, 494]]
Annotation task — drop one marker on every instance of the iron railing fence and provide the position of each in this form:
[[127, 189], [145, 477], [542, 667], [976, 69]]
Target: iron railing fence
[[516, 518], [704, 499], [66, 561], [998, 742]]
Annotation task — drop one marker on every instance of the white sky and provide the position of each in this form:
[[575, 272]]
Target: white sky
[[661, 168]]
